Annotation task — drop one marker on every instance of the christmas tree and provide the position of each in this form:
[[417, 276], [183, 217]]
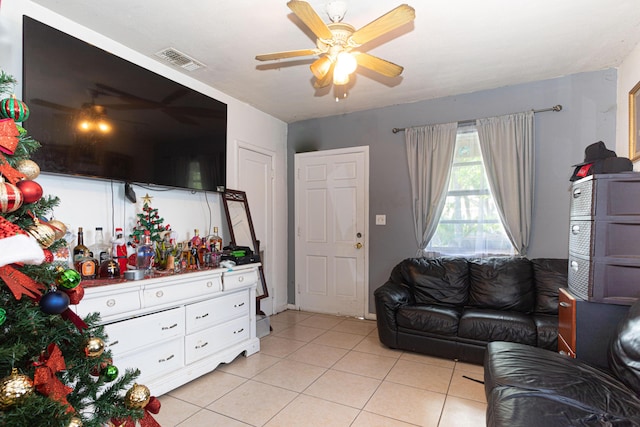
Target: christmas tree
[[54, 369], [148, 220]]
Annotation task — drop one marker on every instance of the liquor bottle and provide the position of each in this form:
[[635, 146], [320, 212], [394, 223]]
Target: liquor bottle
[[109, 268], [80, 250], [215, 241], [145, 253], [100, 249]]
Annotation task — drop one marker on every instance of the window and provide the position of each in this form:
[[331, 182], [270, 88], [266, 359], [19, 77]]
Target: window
[[470, 224]]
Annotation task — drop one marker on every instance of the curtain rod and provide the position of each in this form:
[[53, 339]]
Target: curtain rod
[[554, 108]]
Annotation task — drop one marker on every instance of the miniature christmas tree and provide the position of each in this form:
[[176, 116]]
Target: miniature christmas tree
[[148, 220], [54, 369]]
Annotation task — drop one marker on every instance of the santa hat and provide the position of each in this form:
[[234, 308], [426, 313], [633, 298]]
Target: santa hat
[[18, 246]]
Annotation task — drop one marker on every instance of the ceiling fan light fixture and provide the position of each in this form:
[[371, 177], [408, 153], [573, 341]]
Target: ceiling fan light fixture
[[321, 66], [346, 63], [340, 79]]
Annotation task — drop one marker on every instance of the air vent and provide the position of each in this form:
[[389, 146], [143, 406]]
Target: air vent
[[179, 59]]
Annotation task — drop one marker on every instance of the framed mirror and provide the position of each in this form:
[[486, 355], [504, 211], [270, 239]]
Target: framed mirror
[[236, 209]]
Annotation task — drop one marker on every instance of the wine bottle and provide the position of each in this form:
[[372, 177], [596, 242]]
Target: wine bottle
[[80, 250]]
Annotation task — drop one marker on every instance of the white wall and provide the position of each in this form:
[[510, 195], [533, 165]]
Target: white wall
[[90, 203], [628, 77]]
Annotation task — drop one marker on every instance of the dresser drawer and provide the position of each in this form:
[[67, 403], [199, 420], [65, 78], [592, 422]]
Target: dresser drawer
[[566, 322], [580, 233], [239, 278], [208, 313], [579, 276], [209, 341], [155, 361], [183, 290], [582, 198], [110, 304], [142, 331]]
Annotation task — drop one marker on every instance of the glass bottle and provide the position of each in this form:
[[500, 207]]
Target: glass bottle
[[145, 253], [109, 268], [215, 241], [80, 250], [100, 249]]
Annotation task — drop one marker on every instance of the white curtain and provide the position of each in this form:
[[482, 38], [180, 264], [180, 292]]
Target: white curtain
[[507, 151], [430, 152]]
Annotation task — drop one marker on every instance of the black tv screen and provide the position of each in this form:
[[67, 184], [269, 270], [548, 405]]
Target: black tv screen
[[98, 115]]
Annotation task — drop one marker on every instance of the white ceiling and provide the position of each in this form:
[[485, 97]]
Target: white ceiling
[[452, 47]]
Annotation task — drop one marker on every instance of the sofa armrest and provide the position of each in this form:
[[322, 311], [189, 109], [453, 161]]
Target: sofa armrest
[[389, 298]]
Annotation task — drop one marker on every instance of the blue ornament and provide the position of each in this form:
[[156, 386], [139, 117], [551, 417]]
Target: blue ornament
[[54, 302]]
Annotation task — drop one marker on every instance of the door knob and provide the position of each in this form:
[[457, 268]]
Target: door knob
[[358, 245]]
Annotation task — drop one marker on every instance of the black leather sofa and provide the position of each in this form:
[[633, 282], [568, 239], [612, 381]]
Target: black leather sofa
[[453, 307], [532, 387]]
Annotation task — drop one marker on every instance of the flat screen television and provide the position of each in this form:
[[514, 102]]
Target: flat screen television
[[98, 115]]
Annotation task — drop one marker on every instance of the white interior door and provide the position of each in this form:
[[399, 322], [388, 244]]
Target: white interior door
[[256, 179], [331, 231]]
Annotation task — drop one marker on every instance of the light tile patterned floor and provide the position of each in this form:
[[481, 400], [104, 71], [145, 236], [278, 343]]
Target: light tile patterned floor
[[320, 370]]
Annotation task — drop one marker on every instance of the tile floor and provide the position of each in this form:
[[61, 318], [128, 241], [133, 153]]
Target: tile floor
[[321, 370]]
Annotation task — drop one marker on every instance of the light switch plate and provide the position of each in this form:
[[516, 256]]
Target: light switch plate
[[381, 220]]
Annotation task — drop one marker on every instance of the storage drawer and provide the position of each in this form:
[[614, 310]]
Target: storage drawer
[[183, 290], [580, 237], [208, 313], [209, 341], [564, 348], [239, 278], [109, 304], [155, 361], [142, 331], [582, 198], [566, 322], [578, 276]]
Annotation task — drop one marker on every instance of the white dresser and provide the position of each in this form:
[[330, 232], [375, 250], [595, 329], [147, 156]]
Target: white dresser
[[177, 328]]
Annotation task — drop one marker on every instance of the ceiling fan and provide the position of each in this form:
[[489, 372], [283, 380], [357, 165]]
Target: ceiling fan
[[337, 42]]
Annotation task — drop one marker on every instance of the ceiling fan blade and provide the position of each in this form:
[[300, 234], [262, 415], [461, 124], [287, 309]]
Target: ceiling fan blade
[[326, 80], [305, 12], [378, 65], [286, 54], [391, 20], [53, 105]]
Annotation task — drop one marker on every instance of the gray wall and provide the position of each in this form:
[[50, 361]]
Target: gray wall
[[588, 115]]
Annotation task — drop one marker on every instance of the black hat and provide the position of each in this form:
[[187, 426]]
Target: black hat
[[599, 159]]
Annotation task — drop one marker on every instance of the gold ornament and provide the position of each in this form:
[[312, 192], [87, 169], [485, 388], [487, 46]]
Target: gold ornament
[[43, 233], [59, 228], [137, 397], [94, 347], [28, 168], [75, 422], [14, 389]]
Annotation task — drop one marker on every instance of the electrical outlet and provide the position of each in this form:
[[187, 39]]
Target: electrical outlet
[[381, 220]]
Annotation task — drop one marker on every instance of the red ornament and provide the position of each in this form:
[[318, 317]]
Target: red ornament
[[48, 255], [75, 295], [31, 190], [13, 108], [10, 197]]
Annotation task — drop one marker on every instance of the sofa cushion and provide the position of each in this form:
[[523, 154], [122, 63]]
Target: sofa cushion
[[549, 274], [547, 329], [624, 351], [495, 325], [566, 380], [438, 280], [435, 319], [504, 283]]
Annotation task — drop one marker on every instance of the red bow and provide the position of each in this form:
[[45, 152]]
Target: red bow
[[153, 407], [45, 379], [20, 284]]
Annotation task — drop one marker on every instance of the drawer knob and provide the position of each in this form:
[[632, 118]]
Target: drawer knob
[[574, 265], [202, 345], [203, 316], [209, 284], [239, 305], [164, 328], [576, 193], [564, 353], [241, 279], [111, 302], [164, 360], [237, 332], [564, 304], [159, 294], [575, 229]]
